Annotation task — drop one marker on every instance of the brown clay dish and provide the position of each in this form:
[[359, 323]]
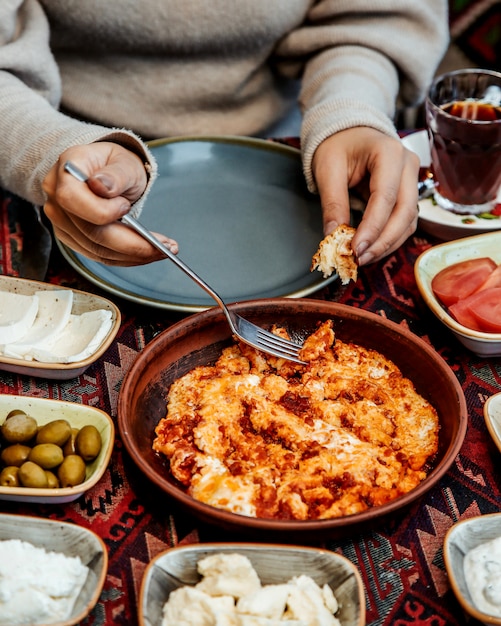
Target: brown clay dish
[[198, 340]]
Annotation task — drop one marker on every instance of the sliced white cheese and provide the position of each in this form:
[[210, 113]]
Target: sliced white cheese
[[17, 314], [80, 338], [54, 312]]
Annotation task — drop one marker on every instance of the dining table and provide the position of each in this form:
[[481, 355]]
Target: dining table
[[399, 559]]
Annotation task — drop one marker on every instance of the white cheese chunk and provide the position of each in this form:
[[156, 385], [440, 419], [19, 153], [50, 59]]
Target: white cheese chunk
[[54, 310], [256, 620], [269, 601], [189, 606], [306, 602], [231, 575], [42, 327], [17, 314], [79, 339]]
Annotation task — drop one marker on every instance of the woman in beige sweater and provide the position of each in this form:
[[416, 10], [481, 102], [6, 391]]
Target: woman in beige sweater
[[90, 81]]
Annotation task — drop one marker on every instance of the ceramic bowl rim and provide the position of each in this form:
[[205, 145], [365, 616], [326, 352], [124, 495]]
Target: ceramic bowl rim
[[496, 438]]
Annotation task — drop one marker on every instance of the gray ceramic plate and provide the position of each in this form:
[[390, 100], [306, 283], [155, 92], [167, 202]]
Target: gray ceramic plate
[[242, 215]]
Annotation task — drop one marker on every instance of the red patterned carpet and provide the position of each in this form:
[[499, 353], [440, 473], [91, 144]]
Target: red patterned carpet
[[475, 27]]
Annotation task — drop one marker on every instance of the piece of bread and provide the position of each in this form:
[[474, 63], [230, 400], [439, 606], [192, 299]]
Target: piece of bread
[[335, 254]]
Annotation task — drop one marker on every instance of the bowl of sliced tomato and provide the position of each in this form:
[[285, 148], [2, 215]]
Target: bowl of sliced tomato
[[460, 281]]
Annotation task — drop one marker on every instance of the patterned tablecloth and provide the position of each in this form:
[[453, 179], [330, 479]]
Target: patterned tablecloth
[[401, 562]]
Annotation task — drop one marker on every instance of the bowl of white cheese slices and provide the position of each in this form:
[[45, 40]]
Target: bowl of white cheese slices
[[51, 331]]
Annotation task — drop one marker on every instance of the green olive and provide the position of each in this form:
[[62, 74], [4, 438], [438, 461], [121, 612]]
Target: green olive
[[19, 428], [47, 455], [88, 442], [32, 475], [69, 446], [56, 431], [16, 454], [15, 412], [71, 472], [9, 476], [52, 480]]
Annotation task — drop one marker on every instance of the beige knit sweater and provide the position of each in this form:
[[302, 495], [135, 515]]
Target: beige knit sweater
[[137, 70]]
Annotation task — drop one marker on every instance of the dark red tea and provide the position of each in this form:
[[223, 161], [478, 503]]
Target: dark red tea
[[473, 110], [466, 150]]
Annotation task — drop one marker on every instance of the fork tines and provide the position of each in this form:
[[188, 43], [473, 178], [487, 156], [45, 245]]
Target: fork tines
[[282, 347]]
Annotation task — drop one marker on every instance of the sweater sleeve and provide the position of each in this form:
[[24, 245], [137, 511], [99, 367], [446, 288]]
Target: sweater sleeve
[[357, 59], [30, 89]]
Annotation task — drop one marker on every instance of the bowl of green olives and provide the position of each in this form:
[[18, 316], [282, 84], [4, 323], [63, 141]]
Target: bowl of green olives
[[51, 451]]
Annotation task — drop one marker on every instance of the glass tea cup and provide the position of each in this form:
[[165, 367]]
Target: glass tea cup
[[463, 116]]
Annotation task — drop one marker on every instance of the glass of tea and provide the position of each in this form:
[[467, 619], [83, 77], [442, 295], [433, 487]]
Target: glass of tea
[[463, 116]]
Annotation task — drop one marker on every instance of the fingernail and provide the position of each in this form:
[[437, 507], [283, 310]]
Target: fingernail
[[365, 258], [361, 248], [329, 227], [124, 208], [172, 245]]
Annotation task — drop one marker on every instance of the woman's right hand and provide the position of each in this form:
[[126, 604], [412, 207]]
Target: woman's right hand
[[85, 215]]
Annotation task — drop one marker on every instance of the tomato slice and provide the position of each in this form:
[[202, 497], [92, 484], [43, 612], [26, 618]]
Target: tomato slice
[[459, 280], [460, 312], [485, 307], [493, 280]]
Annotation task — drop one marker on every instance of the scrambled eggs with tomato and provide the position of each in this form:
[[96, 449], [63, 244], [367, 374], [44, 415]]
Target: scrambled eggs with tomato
[[264, 437]]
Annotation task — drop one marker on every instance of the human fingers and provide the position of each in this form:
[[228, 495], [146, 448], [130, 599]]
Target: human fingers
[[113, 173], [331, 176], [85, 214], [111, 244], [391, 213], [123, 174]]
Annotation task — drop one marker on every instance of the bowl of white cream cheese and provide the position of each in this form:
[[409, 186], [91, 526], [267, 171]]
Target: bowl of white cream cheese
[[51, 572], [472, 555]]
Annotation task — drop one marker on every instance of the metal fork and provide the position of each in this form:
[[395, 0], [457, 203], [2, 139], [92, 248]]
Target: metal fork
[[246, 331]]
